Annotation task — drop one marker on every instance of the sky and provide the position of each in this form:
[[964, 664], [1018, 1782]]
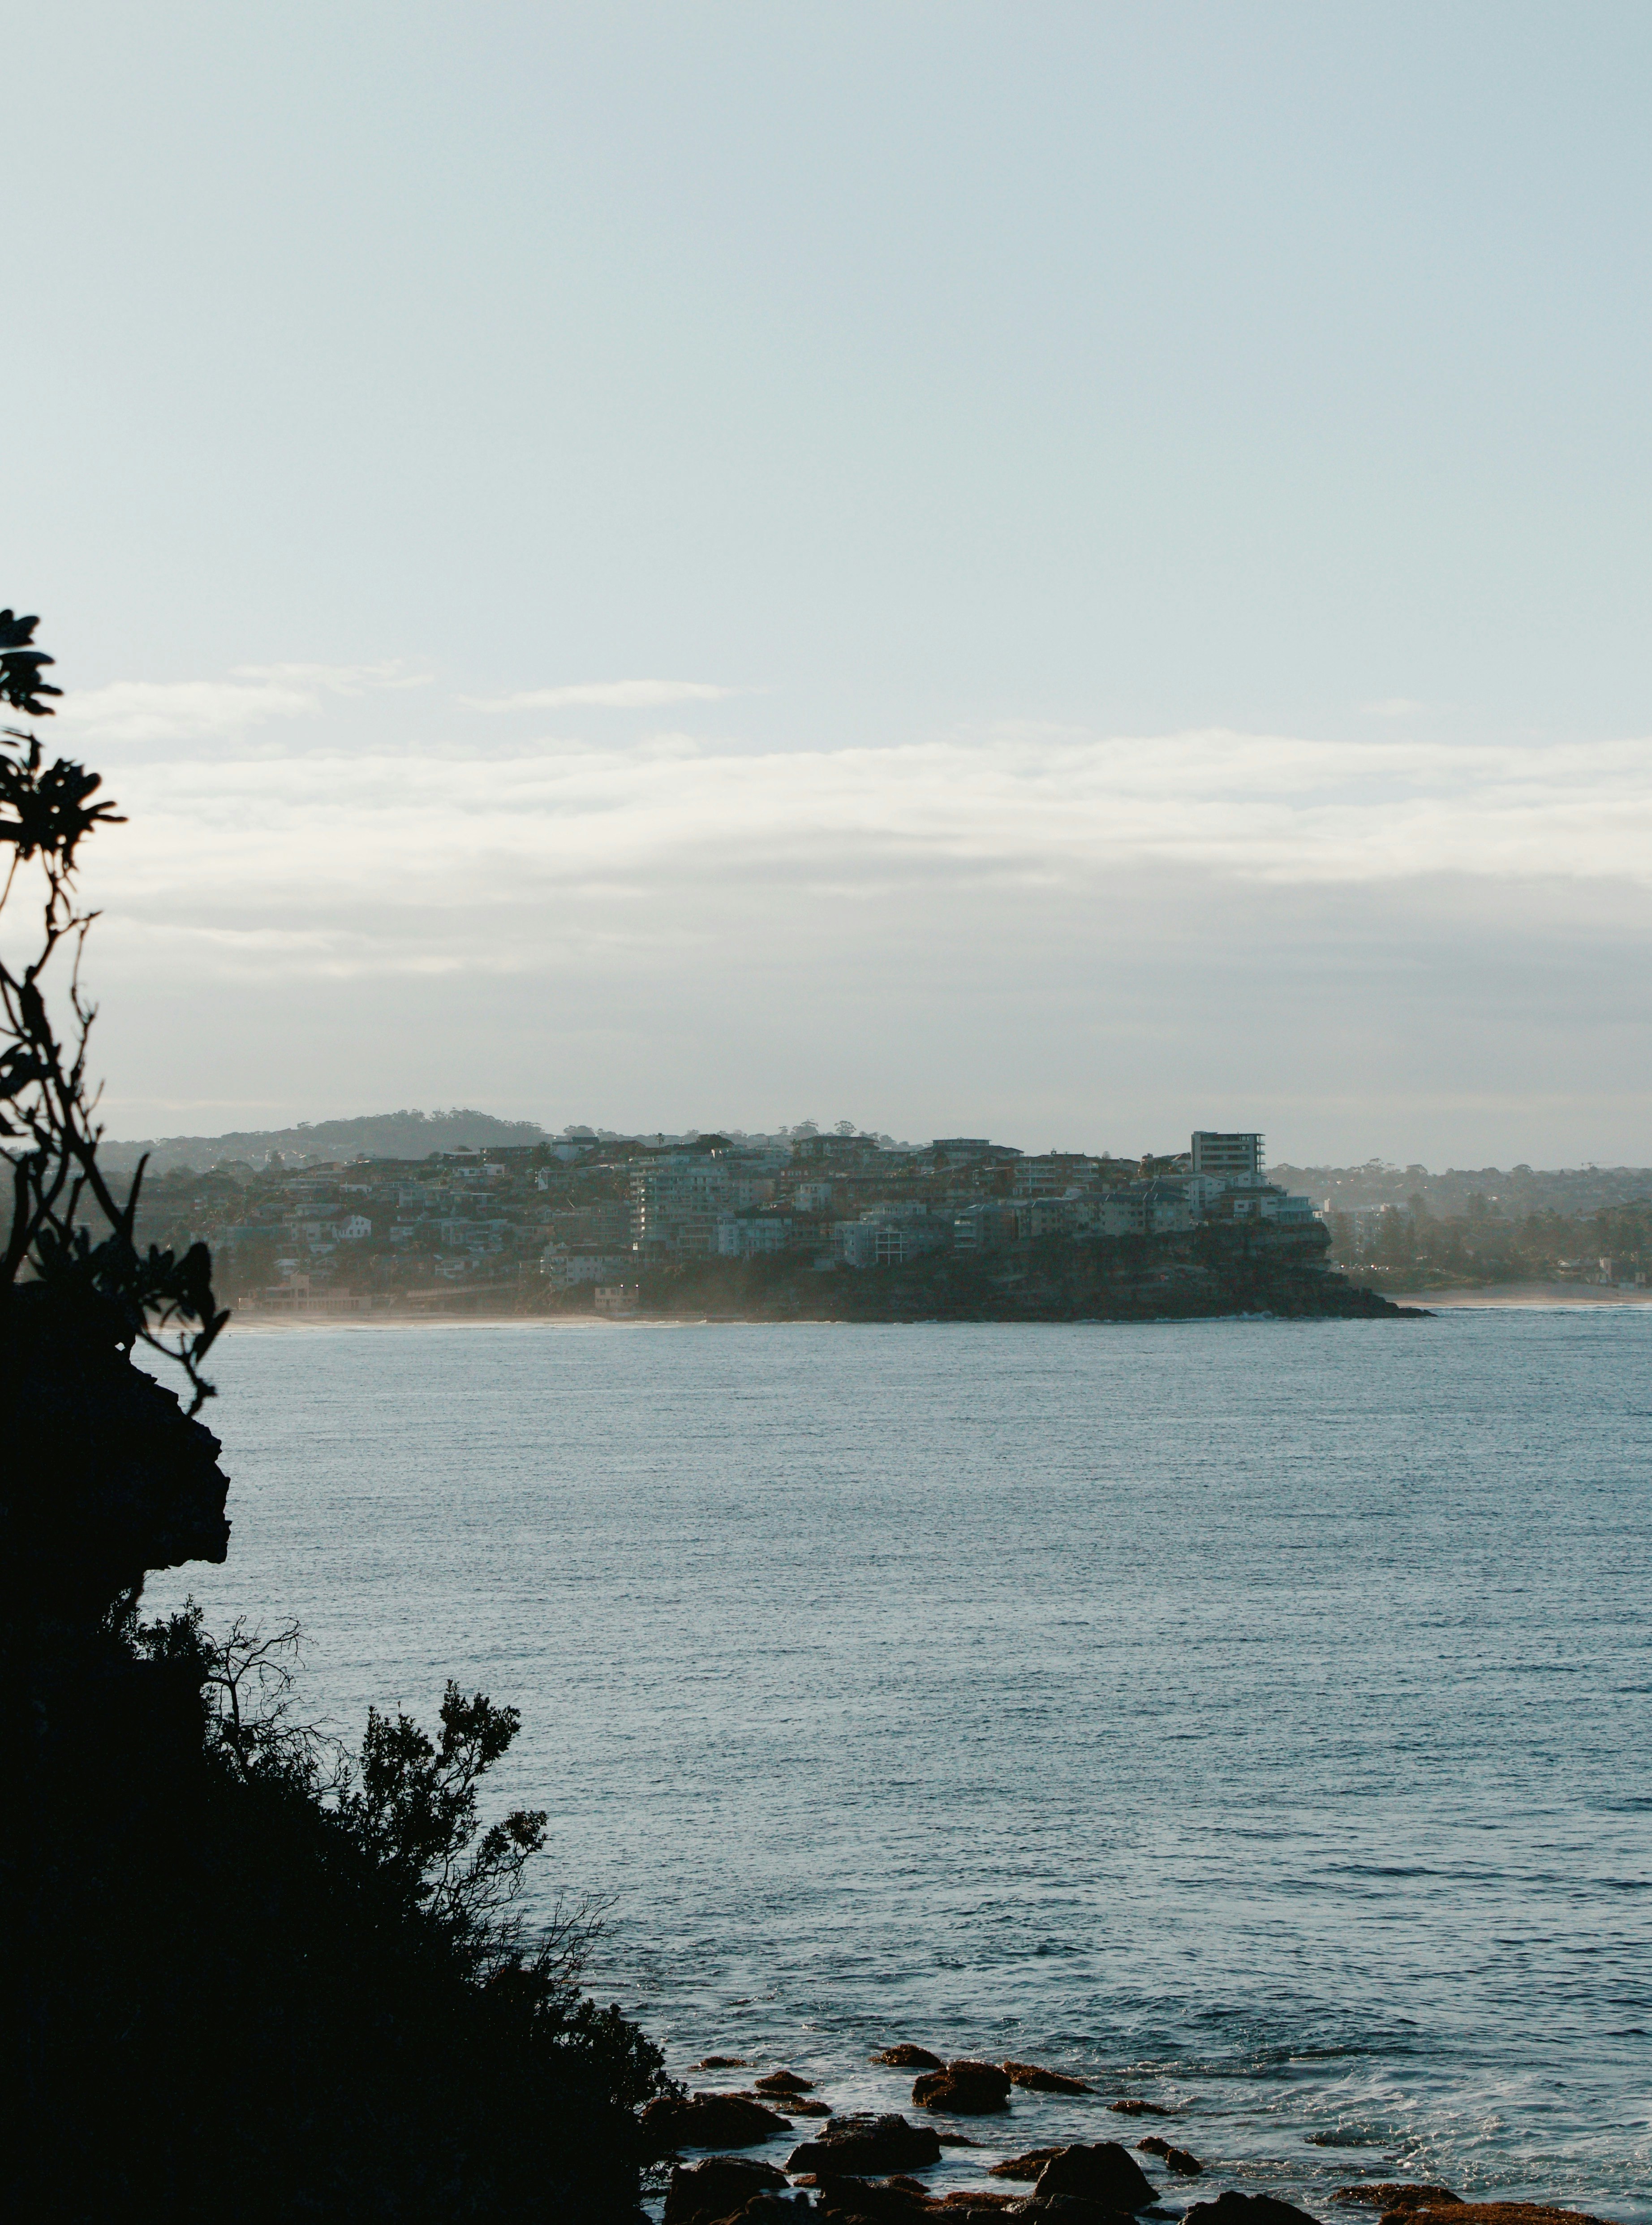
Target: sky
[[1059, 571]]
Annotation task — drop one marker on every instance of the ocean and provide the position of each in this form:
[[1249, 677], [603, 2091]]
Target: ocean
[[1252, 1717]]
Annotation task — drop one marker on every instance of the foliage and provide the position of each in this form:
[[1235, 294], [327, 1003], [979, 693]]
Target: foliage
[[244, 1966], [1410, 1248], [47, 1109]]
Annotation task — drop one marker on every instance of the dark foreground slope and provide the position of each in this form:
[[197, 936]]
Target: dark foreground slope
[[235, 1984], [1203, 1275]]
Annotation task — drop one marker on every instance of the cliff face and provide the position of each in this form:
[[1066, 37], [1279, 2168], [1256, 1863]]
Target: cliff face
[[1206, 1273], [105, 1477]]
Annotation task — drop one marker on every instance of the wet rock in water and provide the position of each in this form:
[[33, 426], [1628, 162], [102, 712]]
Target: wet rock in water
[[797, 2106], [1487, 2212], [1393, 2194], [721, 2063], [890, 2202], [767, 2209], [1102, 2172], [710, 2120], [866, 2147], [783, 2081], [701, 2191], [963, 2089], [1174, 2159], [1037, 2080], [1023, 2166], [957, 2140], [1232, 2208], [907, 2058], [1129, 2107], [981, 2199]]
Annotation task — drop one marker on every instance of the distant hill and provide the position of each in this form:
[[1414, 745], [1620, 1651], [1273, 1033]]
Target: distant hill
[[1511, 1193], [404, 1135]]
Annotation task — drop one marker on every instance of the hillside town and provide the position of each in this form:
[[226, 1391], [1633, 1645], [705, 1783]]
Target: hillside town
[[575, 1222]]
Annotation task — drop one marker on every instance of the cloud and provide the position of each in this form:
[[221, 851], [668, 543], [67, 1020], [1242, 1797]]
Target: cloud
[[148, 711], [1010, 930], [604, 694], [340, 679], [437, 832], [182, 710]]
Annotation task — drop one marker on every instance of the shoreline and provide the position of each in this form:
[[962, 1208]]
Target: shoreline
[[1575, 1297], [250, 1319]]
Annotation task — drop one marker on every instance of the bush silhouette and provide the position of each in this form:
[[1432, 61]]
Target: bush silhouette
[[247, 1971]]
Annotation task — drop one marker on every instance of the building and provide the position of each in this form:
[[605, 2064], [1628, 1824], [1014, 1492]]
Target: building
[[752, 1236], [563, 1270], [984, 1227], [1230, 1156], [1052, 1174], [888, 1236], [676, 1200]]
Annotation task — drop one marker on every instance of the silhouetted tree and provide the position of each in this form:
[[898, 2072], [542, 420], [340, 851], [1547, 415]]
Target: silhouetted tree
[[246, 1969]]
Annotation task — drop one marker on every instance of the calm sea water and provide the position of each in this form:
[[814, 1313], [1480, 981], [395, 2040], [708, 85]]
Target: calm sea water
[[1255, 1717]]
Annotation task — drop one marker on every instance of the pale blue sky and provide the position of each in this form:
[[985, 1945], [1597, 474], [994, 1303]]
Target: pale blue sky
[[1164, 488]]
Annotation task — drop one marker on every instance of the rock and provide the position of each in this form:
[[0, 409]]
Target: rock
[[1104, 2173], [980, 2199], [721, 2184], [957, 2140], [1131, 2107], [1023, 2166], [1392, 2194], [865, 2147], [1176, 2160], [104, 1477], [1231, 2208], [907, 2058], [1486, 2213], [783, 2081], [769, 2209], [1070, 2209], [1040, 2081], [796, 2106], [721, 2063], [963, 2089], [856, 2202], [710, 2120]]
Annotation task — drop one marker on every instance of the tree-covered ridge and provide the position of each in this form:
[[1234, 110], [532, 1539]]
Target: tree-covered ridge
[[407, 1134]]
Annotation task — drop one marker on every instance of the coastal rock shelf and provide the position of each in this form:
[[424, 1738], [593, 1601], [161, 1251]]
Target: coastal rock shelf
[[862, 2168]]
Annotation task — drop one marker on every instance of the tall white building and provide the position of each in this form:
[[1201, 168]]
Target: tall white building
[[1229, 1158]]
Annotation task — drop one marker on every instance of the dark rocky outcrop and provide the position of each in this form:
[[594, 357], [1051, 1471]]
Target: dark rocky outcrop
[[963, 2089], [1174, 2159], [1129, 2107], [720, 2185], [767, 2208], [1487, 2212], [1232, 2208], [1394, 2194], [866, 2147], [721, 2063], [105, 1477], [1023, 2166], [1102, 2172], [908, 2057], [710, 2120], [1037, 2080], [783, 2081]]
